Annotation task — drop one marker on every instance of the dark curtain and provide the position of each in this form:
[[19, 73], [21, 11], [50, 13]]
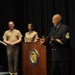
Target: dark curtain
[[38, 12]]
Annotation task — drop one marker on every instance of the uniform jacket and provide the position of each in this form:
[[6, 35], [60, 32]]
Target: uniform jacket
[[60, 50]]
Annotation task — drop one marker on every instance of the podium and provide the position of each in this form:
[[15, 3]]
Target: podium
[[33, 59]]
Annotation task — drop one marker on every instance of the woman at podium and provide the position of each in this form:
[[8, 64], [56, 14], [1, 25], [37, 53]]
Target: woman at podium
[[31, 35]]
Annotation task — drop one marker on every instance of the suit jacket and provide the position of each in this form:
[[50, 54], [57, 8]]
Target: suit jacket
[[60, 50]]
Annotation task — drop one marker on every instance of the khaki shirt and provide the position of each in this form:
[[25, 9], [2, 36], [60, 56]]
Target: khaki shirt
[[13, 35], [31, 37]]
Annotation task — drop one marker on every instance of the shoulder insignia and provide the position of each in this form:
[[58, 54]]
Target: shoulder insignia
[[67, 35]]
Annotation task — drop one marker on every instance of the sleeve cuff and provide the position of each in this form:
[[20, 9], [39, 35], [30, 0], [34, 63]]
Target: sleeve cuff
[[59, 41]]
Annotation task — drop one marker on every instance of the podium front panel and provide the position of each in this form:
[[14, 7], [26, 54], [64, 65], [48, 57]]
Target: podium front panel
[[33, 59]]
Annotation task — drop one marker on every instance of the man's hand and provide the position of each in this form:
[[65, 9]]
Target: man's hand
[[12, 43], [42, 40], [52, 39], [8, 42]]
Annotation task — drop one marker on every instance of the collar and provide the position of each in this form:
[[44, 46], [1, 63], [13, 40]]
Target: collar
[[58, 25], [12, 30]]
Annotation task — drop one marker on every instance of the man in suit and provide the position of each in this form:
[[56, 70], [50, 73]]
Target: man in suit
[[59, 39]]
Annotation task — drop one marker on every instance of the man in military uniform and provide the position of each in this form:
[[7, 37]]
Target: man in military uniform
[[59, 39], [12, 38]]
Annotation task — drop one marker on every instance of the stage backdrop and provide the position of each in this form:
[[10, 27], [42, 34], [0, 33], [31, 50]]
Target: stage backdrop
[[38, 12]]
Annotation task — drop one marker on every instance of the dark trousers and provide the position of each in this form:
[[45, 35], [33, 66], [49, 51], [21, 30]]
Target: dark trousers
[[12, 54], [60, 68]]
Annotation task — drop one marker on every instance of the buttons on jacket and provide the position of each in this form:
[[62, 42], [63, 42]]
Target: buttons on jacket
[[53, 49]]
